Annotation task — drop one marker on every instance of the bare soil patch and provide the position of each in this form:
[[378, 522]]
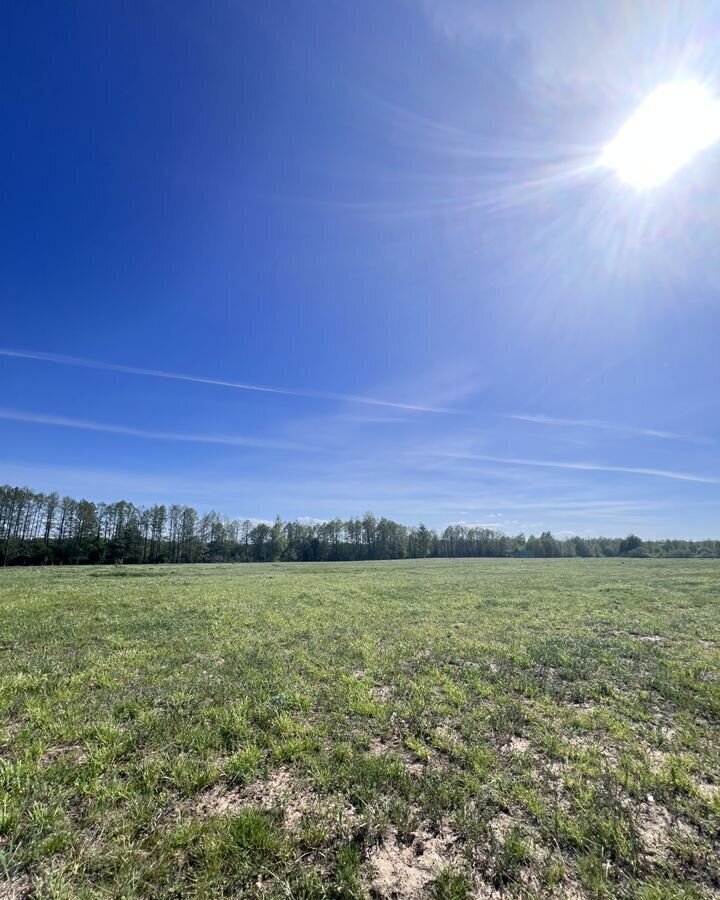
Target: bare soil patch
[[644, 638], [74, 751], [279, 789], [407, 871], [381, 693], [15, 889], [656, 829], [709, 791], [381, 747]]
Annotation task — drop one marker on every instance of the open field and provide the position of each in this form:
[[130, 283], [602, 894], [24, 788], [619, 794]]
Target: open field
[[447, 729]]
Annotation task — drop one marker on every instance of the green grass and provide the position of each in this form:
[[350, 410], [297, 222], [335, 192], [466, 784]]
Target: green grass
[[446, 729]]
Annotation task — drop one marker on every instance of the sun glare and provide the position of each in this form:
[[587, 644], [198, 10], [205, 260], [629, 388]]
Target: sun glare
[[668, 129]]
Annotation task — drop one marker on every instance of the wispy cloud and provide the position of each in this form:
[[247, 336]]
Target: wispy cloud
[[336, 489], [108, 428], [373, 420], [467, 20], [607, 38], [616, 427], [495, 525], [80, 362], [585, 467]]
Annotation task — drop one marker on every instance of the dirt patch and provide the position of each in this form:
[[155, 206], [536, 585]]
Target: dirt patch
[[653, 824], [407, 871], [570, 889], [518, 745], [657, 828], [485, 892], [664, 736], [639, 636], [278, 789], [381, 747], [500, 826], [657, 760], [15, 889], [708, 791], [74, 752], [582, 705], [381, 693], [281, 790], [593, 744], [216, 801], [448, 739], [8, 731]]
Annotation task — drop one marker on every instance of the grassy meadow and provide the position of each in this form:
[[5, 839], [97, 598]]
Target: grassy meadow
[[441, 728]]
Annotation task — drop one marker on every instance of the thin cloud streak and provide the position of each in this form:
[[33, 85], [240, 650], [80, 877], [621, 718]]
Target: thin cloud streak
[[584, 467], [87, 425], [606, 426], [80, 362]]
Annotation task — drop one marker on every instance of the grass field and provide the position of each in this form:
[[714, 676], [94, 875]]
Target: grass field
[[447, 729]]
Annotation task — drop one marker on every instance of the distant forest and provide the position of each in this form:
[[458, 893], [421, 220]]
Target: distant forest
[[47, 529]]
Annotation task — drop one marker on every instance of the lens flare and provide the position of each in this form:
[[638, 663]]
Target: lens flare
[[675, 123]]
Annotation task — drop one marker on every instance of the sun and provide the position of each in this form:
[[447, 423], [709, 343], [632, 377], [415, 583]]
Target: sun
[[672, 125]]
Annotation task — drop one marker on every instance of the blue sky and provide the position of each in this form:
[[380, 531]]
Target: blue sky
[[390, 213]]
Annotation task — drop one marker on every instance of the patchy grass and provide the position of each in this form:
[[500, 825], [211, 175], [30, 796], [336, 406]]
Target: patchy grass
[[442, 729]]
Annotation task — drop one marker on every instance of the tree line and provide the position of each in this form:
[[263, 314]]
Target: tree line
[[47, 529]]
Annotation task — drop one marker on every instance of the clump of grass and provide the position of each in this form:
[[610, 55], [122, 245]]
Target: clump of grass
[[510, 855], [452, 885]]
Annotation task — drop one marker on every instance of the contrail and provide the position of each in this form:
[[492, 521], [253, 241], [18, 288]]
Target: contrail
[[584, 467], [79, 362], [607, 426], [87, 425]]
